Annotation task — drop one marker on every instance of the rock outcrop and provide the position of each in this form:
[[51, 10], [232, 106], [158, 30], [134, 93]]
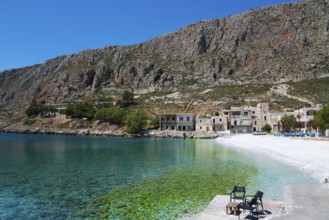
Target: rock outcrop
[[280, 43]]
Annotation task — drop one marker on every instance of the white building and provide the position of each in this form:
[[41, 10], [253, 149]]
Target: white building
[[303, 116], [185, 122], [306, 115]]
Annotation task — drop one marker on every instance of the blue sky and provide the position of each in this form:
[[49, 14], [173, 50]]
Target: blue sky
[[33, 31]]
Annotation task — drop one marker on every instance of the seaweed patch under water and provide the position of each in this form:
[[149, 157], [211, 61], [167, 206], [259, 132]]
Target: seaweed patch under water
[[177, 194]]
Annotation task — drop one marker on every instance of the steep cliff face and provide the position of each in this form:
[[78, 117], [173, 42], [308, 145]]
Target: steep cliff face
[[275, 44]]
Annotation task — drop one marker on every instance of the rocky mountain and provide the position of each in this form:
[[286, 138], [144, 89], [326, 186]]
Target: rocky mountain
[[276, 44]]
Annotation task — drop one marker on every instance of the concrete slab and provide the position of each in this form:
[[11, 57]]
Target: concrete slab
[[310, 203], [217, 210], [305, 204]]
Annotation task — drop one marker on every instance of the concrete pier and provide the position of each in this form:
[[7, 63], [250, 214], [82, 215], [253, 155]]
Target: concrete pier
[[299, 204]]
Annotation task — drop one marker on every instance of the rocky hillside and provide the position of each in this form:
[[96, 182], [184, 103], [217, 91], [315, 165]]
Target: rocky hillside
[[281, 43]]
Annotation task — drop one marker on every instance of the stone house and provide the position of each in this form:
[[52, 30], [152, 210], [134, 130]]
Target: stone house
[[185, 122], [168, 122], [244, 119], [259, 116], [247, 119], [211, 123], [203, 124], [177, 122], [240, 119]]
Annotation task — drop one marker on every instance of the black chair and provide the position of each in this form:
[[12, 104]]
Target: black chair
[[238, 192], [259, 199], [259, 195], [250, 206]]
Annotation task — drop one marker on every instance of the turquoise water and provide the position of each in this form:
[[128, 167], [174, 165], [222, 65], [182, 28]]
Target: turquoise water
[[54, 177]]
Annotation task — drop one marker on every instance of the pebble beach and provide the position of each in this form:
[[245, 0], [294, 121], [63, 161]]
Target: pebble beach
[[309, 155]]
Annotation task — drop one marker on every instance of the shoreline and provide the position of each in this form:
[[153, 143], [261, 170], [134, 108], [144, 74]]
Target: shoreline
[[308, 155], [115, 133]]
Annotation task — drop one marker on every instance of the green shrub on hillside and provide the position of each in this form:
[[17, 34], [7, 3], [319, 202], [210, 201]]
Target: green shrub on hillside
[[80, 110], [113, 115], [126, 100], [37, 108], [136, 122]]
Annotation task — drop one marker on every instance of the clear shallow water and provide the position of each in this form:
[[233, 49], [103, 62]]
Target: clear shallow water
[[54, 177]]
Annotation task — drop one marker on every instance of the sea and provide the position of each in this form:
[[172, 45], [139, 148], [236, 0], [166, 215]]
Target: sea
[[59, 177]]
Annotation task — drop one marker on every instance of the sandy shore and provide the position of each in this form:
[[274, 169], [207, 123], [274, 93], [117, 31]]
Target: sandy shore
[[311, 156]]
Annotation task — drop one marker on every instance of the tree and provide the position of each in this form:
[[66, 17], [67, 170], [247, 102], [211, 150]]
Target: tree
[[113, 115], [80, 110], [321, 118], [267, 128], [155, 122], [37, 108], [136, 122], [288, 122], [100, 114], [127, 99]]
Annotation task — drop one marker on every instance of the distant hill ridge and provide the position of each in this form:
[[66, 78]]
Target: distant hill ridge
[[276, 44]]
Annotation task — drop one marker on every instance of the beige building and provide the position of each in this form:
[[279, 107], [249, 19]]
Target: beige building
[[259, 116], [212, 124], [203, 125], [240, 119], [219, 123]]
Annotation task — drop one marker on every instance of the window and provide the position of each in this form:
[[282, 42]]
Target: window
[[173, 118], [200, 127], [255, 122], [264, 118], [213, 121], [188, 119], [308, 113], [220, 119], [235, 122], [236, 113], [245, 113], [181, 119]]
